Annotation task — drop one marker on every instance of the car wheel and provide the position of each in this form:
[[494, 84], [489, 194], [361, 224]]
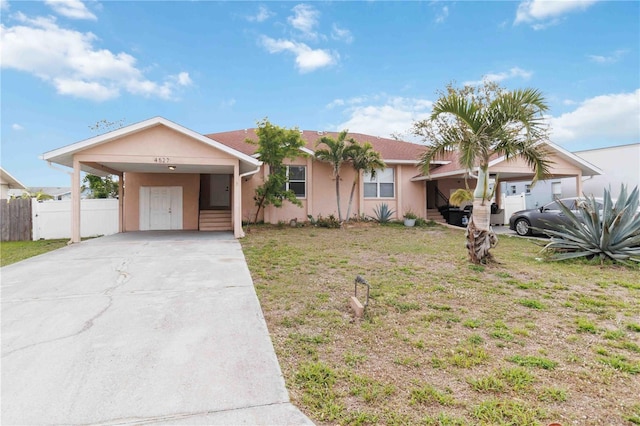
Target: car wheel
[[523, 227]]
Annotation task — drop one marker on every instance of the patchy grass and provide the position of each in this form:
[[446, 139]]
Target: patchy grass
[[444, 342], [15, 251]]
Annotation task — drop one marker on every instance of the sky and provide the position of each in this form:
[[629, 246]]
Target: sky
[[370, 67]]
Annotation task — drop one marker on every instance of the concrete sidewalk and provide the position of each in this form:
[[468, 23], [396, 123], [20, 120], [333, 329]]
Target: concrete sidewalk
[[139, 328]]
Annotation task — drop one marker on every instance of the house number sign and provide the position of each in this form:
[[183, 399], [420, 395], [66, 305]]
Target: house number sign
[[162, 160]]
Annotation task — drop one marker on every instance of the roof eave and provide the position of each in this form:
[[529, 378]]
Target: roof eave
[[64, 155]]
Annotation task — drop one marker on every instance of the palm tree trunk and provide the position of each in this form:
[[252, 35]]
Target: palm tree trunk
[[338, 197], [353, 189], [480, 236]]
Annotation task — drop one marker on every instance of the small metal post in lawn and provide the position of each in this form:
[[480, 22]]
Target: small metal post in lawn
[[359, 308]]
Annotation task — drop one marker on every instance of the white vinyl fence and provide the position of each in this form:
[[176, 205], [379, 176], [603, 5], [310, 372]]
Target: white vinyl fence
[[512, 204], [52, 219]]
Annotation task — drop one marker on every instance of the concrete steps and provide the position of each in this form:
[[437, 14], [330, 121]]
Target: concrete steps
[[215, 220], [434, 214]]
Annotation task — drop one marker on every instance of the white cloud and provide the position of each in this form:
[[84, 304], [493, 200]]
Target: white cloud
[[543, 13], [304, 19], [335, 103], [85, 89], [514, 72], [69, 61], [395, 115], [442, 15], [74, 9], [17, 127], [183, 79], [262, 15], [344, 34], [4, 5], [307, 59], [613, 57], [603, 118]]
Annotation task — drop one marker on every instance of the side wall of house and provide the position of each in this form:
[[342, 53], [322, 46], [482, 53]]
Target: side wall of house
[[190, 184]]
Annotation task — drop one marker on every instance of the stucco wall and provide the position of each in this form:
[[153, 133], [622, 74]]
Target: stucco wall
[[190, 184], [158, 141], [321, 194]]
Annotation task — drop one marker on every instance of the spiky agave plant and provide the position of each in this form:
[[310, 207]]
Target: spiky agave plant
[[612, 232]]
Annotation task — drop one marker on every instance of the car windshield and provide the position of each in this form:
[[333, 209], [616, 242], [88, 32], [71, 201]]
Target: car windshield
[[555, 205]]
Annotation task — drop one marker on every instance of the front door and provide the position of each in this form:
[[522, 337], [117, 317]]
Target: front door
[[215, 192], [220, 196], [160, 208]]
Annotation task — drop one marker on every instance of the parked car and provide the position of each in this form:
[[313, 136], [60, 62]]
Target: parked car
[[522, 221]]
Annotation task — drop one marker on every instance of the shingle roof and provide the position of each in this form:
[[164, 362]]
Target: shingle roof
[[389, 149]]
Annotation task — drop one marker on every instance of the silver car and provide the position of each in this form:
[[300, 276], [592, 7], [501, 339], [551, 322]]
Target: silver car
[[523, 220]]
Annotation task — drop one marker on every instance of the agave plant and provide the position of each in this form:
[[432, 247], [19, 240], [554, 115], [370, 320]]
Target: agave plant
[[612, 231], [383, 213]]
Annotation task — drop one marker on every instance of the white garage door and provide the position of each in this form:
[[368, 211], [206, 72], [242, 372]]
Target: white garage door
[[160, 208]]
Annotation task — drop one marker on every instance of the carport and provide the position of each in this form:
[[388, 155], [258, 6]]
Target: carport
[[170, 177], [445, 178]]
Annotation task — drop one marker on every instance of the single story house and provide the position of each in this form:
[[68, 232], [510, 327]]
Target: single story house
[[8, 182], [171, 177]]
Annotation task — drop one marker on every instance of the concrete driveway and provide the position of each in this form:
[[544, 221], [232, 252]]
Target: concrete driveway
[[139, 328]]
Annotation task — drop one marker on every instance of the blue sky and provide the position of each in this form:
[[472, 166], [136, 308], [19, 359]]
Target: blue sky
[[371, 67]]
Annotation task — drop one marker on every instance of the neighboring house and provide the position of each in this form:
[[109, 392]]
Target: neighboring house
[[171, 177], [7, 183], [56, 192], [618, 165]]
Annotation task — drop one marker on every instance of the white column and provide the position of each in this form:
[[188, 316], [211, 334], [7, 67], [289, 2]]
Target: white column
[[121, 202], [75, 202], [237, 202], [579, 184]]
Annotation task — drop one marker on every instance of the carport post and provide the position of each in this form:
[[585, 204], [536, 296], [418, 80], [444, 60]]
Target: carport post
[[579, 185], [120, 202], [75, 202], [237, 202]]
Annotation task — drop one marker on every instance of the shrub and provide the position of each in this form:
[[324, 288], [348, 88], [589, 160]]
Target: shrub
[[383, 213], [611, 233]]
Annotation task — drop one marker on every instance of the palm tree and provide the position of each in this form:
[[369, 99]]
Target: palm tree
[[335, 154], [482, 124], [363, 159]]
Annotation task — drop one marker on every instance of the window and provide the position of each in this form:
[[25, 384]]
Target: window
[[513, 190], [297, 180], [379, 186], [527, 189], [556, 189]]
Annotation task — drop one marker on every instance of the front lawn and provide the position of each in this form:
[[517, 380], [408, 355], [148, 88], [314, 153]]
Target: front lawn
[[15, 251], [446, 342]]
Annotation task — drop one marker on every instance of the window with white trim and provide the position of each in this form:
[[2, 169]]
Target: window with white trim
[[513, 189], [382, 185], [527, 189], [556, 189], [297, 180]]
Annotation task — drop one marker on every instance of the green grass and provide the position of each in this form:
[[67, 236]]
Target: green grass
[[517, 341], [427, 394], [533, 361], [15, 251], [507, 412]]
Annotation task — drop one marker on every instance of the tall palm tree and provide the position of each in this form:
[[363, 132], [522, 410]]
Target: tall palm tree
[[363, 159], [481, 125], [335, 153]]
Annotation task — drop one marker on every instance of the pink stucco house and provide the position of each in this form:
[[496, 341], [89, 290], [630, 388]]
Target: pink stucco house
[[174, 178]]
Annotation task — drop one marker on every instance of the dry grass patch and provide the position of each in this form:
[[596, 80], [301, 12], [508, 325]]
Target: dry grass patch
[[443, 341]]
